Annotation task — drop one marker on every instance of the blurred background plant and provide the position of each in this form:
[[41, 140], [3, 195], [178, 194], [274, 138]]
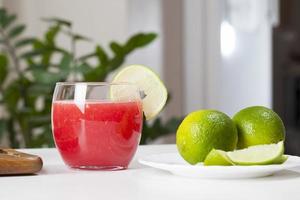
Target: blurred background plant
[[30, 67]]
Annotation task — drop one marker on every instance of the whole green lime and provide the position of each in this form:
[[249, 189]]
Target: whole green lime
[[203, 130], [258, 125]]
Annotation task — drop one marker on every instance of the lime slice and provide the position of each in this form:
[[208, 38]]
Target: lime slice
[[280, 160], [217, 157], [153, 91], [257, 155]]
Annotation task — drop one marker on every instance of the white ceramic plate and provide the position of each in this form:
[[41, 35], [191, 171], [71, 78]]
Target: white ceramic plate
[[173, 163]]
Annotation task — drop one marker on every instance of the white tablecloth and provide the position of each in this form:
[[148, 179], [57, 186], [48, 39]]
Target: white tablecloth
[[57, 181]]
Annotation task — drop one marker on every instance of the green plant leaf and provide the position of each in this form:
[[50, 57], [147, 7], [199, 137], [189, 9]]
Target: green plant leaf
[[33, 66], [30, 62], [58, 21], [25, 42], [116, 62], [96, 74], [91, 76], [173, 123], [17, 30], [12, 96], [49, 44], [38, 44], [116, 48], [3, 68], [2, 12], [84, 68], [87, 56], [44, 77], [6, 19], [12, 133], [158, 128], [139, 40], [46, 57], [33, 53], [102, 56], [99, 52], [2, 126], [2, 16], [39, 140], [51, 34], [77, 37], [45, 138], [59, 50], [66, 61], [40, 89], [9, 20], [39, 119], [41, 52]]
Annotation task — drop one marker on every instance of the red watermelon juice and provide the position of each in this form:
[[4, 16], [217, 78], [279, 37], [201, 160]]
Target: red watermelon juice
[[99, 135]]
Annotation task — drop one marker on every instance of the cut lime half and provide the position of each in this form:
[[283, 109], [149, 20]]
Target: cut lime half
[[217, 157], [258, 155], [153, 91]]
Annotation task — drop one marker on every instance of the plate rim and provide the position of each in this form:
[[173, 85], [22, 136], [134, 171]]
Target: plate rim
[[145, 161]]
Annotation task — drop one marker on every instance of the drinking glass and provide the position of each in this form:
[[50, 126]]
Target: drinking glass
[[97, 125]]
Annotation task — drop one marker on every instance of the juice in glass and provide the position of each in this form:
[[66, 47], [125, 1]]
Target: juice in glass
[[97, 134]]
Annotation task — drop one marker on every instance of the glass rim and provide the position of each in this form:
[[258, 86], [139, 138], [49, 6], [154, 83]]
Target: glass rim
[[94, 83]]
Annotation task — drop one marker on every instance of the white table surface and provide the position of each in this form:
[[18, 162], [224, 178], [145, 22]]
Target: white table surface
[[57, 181]]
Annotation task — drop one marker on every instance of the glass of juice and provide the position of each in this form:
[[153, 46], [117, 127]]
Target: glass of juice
[[97, 125]]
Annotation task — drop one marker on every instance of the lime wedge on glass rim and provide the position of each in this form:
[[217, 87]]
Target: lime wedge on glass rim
[[153, 91], [258, 155]]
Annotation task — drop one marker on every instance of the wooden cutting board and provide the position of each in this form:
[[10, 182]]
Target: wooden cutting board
[[14, 162]]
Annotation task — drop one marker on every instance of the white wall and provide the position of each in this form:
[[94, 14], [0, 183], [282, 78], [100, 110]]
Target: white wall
[[202, 54], [245, 75], [231, 82], [101, 20], [194, 55], [146, 16]]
